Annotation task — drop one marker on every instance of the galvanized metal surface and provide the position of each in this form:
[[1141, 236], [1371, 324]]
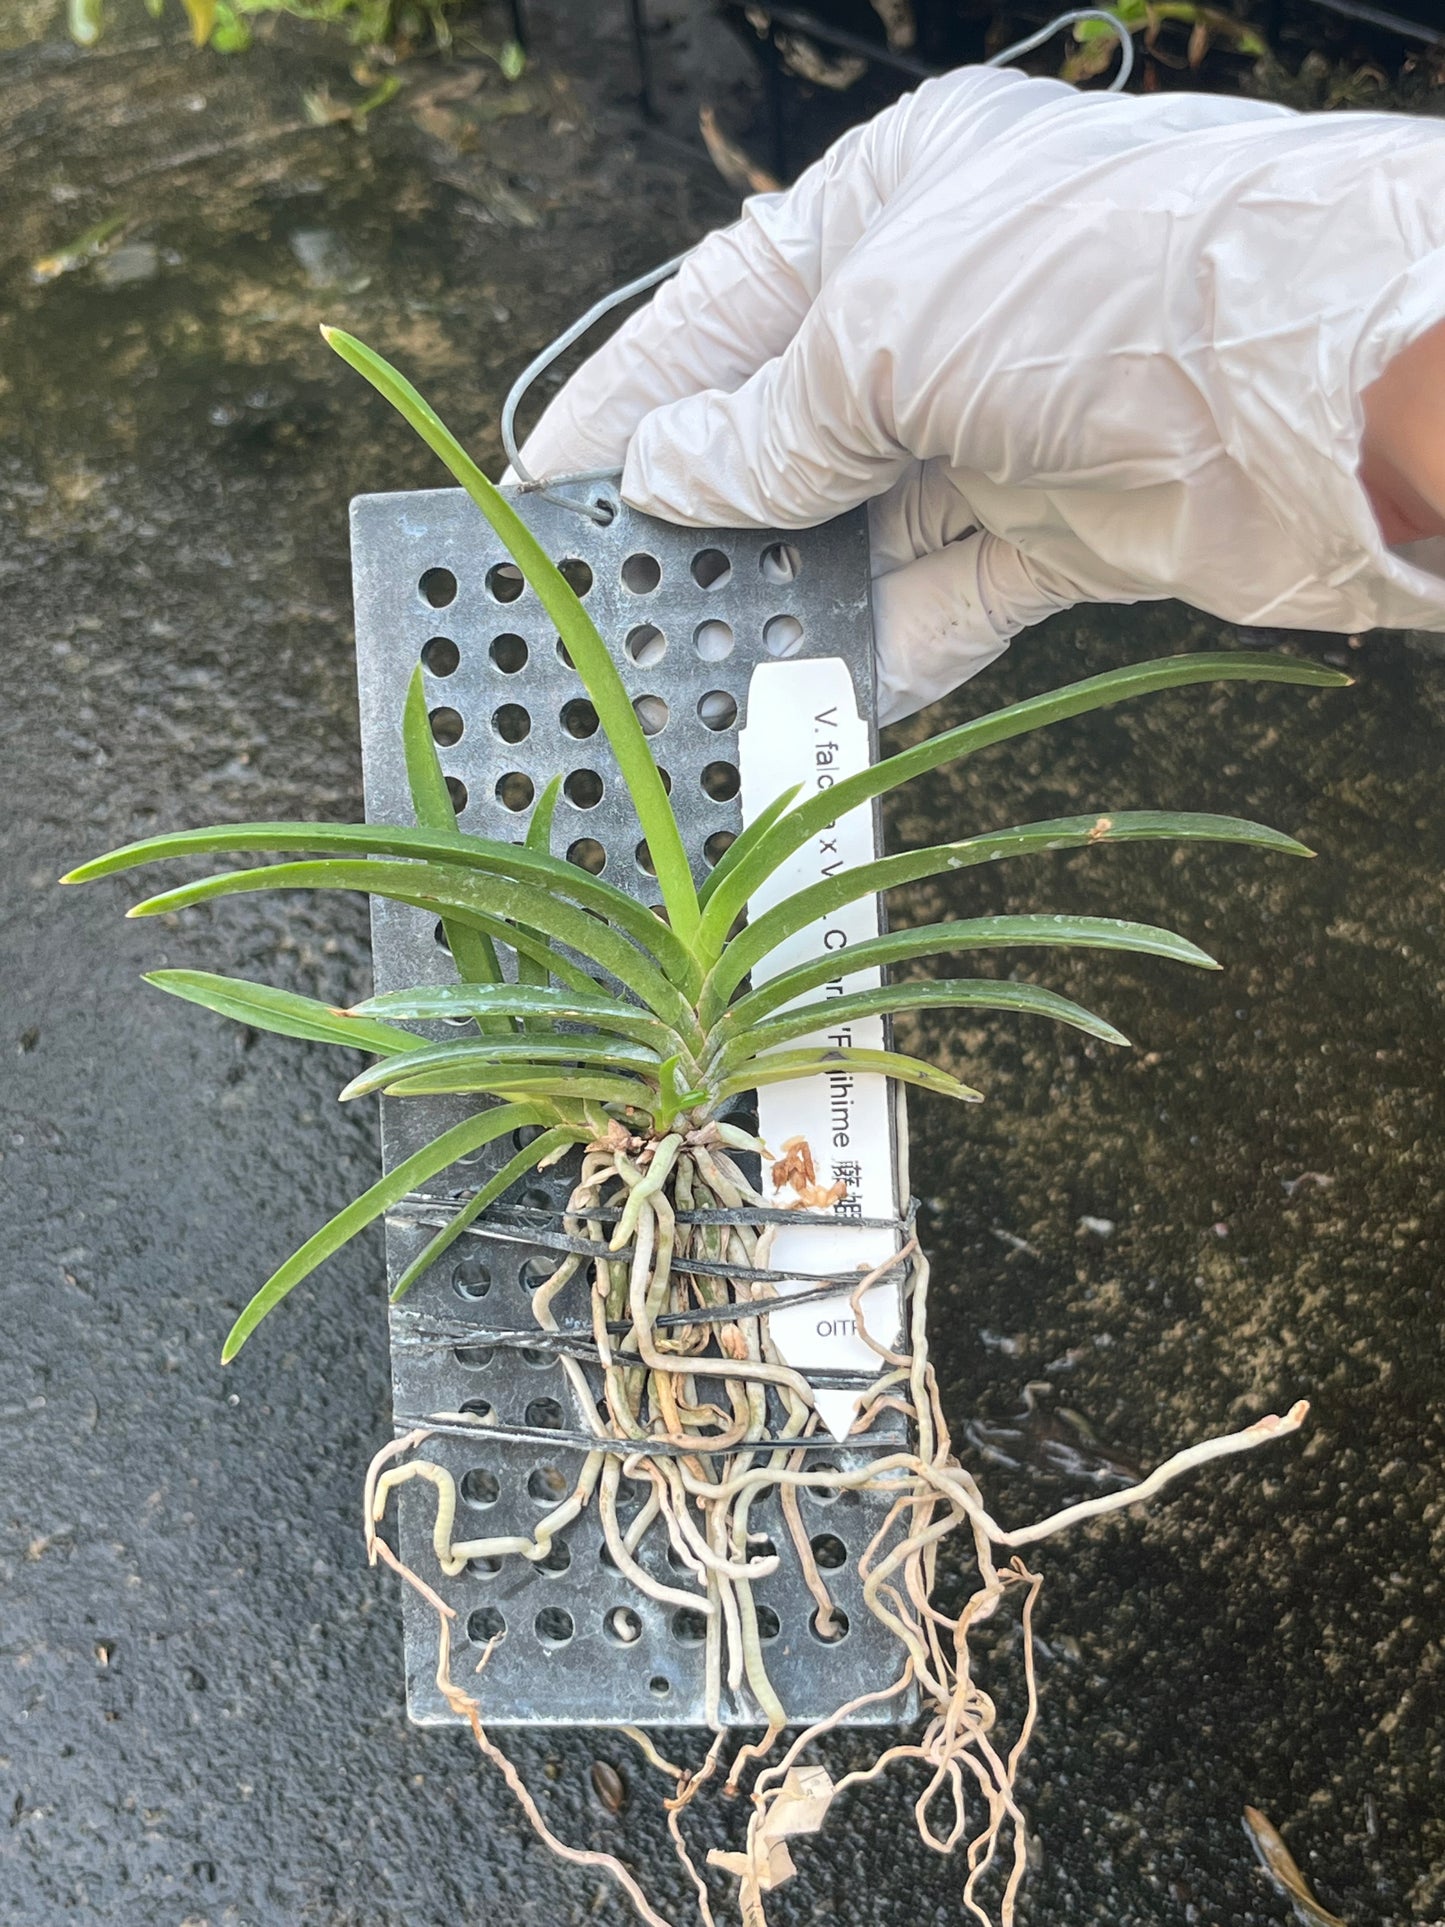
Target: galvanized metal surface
[[689, 614]]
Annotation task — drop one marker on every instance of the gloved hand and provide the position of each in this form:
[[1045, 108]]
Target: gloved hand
[[742, 396], [1068, 346]]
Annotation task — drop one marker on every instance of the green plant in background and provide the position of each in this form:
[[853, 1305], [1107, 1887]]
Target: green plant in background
[[1207, 27], [225, 24], [640, 1070]]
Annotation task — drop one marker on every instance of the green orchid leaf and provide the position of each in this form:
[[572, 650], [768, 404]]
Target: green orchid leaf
[[465, 852], [796, 912], [516, 1167], [434, 1003], [746, 841], [938, 939], [503, 1052], [473, 951], [1076, 699], [543, 1081], [530, 970], [945, 993], [281, 1011], [784, 1066], [459, 1142], [585, 646], [446, 890]]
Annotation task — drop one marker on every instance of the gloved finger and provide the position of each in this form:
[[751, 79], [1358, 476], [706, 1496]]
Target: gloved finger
[[941, 619], [734, 305], [798, 442]]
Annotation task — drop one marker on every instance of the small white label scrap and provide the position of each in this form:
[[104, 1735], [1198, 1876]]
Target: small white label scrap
[[803, 727]]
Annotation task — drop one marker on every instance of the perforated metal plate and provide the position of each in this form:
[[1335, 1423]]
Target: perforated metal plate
[[688, 615]]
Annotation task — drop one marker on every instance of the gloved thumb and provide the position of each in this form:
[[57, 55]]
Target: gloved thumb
[[941, 619]]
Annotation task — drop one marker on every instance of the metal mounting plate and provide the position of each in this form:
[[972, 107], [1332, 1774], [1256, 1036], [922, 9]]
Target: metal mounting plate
[[689, 614]]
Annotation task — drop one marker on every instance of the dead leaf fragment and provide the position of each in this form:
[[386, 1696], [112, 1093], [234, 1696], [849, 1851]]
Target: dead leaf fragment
[[1280, 1864]]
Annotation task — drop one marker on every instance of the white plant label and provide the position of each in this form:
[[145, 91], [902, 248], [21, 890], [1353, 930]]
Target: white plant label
[[803, 727]]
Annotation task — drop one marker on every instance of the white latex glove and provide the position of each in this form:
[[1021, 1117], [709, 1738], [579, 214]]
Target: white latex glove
[[1069, 346]]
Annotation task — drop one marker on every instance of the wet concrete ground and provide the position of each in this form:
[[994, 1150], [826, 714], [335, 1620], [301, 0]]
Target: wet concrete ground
[[202, 1680]]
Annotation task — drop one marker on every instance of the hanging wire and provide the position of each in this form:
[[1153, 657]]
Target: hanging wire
[[601, 511]]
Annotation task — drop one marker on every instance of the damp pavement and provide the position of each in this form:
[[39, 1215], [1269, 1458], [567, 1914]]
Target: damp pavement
[[202, 1713]]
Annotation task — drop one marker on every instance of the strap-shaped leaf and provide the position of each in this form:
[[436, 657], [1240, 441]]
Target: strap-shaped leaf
[[783, 1066], [459, 1142], [945, 993], [746, 840], [1075, 699], [282, 1011], [433, 1003], [446, 889], [516, 1167], [473, 951], [542, 1081], [503, 1053], [977, 933], [585, 646], [383, 839], [796, 912], [530, 968]]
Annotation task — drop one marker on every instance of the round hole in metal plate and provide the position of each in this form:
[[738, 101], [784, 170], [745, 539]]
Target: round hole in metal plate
[[457, 791], [622, 1625], [720, 781], [547, 1484], [606, 510], [512, 723], [761, 1547], [718, 709], [689, 1627], [536, 1359], [676, 1560], [439, 936], [508, 653], [447, 726], [659, 1686], [479, 1488], [828, 1550], [710, 568], [485, 1623], [536, 1199], [473, 1358], [665, 779], [718, 844], [564, 656], [576, 574], [641, 573], [713, 641], [557, 1559], [526, 1134], [783, 636], [534, 1273], [479, 1408], [545, 1414], [515, 790], [484, 1568], [840, 1628], [652, 712], [588, 854], [579, 718], [583, 789], [505, 581], [769, 1625], [644, 859], [438, 587], [646, 644], [553, 1626], [822, 1495], [471, 1279], [780, 562], [441, 656]]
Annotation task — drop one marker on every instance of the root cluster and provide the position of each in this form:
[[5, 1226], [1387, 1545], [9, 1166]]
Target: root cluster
[[687, 1393]]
